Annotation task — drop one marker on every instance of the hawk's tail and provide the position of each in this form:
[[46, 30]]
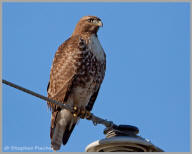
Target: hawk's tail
[[62, 125], [67, 133]]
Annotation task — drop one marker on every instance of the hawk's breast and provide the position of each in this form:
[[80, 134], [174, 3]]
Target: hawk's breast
[[91, 71], [96, 48]]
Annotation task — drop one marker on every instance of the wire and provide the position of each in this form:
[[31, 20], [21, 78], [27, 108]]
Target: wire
[[96, 120], [37, 95]]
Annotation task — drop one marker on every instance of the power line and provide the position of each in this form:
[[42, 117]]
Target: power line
[[96, 120]]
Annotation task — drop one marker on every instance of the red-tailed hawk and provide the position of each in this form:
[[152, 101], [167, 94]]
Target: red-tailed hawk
[[76, 75]]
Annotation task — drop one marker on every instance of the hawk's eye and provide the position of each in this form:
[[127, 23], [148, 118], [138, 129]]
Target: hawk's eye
[[91, 20]]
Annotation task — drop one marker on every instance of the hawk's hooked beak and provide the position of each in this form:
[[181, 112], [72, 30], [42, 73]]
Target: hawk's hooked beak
[[99, 23]]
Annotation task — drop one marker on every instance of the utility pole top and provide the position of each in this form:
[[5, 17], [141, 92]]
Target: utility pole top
[[122, 138]]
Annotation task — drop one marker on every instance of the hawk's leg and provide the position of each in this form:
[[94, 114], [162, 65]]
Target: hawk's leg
[[84, 113], [81, 111]]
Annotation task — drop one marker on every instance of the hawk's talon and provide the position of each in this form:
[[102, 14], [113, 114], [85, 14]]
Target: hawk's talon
[[75, 111], [81, 112], [88, 115], [74, 115], [75, 108]]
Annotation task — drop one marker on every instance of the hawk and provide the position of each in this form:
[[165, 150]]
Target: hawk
[[76, 75]]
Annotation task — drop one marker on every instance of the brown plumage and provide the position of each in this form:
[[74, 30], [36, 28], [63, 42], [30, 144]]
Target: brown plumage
[[76, 74]]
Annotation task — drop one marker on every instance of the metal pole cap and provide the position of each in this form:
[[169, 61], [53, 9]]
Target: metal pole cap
[[122, 138]]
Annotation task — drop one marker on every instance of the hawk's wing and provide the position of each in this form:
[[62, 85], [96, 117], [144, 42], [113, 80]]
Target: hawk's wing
[[63, 70], [92, 100]]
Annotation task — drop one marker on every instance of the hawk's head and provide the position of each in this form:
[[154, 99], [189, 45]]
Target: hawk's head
[[88, 24]]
